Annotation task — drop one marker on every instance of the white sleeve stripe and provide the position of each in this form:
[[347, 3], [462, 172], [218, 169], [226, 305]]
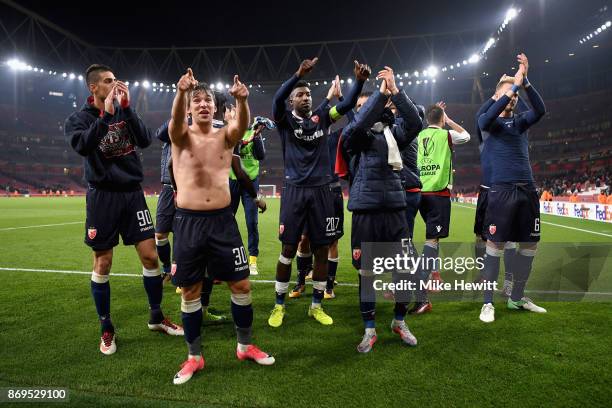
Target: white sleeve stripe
[[459, 138]]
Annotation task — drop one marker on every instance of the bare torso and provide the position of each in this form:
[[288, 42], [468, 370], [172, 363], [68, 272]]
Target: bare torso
[[201, 169]]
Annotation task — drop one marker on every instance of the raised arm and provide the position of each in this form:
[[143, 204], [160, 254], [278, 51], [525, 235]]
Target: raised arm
[[486, 119], [362, 72], [141, 135], [458, 134], [84, 136], [237, 127], [355, 134], [279, 108], [538, 110], [177, 128], [485, 106], [259, 150], [411, 124]]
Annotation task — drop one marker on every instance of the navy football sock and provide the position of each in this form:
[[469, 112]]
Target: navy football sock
[[242, 313], [491, 270], [154, 286], [191, 315], [100, 290], [332, 268]]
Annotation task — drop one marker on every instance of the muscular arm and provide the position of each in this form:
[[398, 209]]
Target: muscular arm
[[278, 103], [237, 127]]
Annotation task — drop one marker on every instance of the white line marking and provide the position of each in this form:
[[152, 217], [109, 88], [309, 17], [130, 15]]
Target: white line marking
[[555, 225], [40, 226], [354, 285]]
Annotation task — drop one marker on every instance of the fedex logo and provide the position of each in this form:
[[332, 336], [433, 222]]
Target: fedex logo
[[547, 207], [602, 213], [581, 212], [561, 210]]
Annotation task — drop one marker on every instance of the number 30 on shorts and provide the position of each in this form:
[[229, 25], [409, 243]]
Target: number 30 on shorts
[[144, 218], [240, 254]]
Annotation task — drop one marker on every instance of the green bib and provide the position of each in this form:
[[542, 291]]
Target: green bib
[[249, 163], [434, 159]]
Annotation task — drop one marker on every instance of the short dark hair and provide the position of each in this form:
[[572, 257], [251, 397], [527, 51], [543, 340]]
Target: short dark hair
[[365, 94], [301, 84], [92, 75], [434, 114], [202, 87]]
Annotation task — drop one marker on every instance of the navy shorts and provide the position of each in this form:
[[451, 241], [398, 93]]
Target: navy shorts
[[513, 214], [338, 211], [114, 213], [308, 209], [207, 243], [435, 211], [481, 210], [164, 216], [379, 226]]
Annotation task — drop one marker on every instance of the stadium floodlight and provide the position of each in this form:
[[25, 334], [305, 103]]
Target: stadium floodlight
[[136, 83], [173, 85], [250, 86], [474, 58], [511, 13], [161, 84], [418, 82], [416, 74], [145, 84], [72, 76], [458, 64], [425, 81], [405, 75], [432, 71], [219, 86], [409, 82], [226, 86], [489, 44], [64, 75], [342, 81], [324, 82], [154, 84], [50, 72], [154, 89], [350, 80], [174, 90], [81, 78], [167, 89], [608, 23], [401, 83], [452, 67], [29, 67], [433, 80]]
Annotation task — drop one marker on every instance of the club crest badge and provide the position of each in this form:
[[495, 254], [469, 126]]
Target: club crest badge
[[91, 233], [492, 229]]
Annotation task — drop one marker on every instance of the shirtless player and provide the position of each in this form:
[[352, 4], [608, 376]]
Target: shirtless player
[[206, 236]]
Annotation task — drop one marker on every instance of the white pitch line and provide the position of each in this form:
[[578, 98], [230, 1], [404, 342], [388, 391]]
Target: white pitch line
[[40, 226], [553, 224], [135, 275]]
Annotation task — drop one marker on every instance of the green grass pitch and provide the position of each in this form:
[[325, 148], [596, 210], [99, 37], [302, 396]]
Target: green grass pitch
[[49, 334]]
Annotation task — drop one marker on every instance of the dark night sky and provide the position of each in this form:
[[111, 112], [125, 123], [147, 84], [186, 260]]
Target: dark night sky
[[203, 23]]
